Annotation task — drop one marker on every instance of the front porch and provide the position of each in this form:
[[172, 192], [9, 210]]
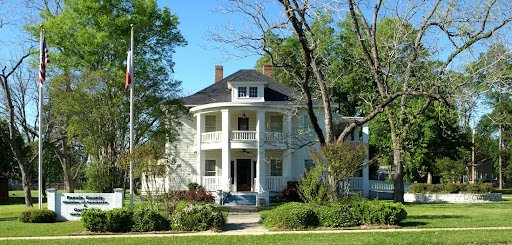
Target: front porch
[[243, 168]]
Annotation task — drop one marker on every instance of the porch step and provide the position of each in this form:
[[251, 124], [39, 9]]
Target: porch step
[[233, 199]]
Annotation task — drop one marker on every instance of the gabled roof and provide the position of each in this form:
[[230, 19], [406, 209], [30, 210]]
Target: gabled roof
[[219, 92]]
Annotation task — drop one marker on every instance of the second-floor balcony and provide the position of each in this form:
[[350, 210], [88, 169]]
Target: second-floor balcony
[[216, 136]]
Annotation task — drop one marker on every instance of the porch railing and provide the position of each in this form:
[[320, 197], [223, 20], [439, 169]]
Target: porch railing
[[356, 183], [211, 137], [276, 183], [212, 183], [243, 135], [274, 136]]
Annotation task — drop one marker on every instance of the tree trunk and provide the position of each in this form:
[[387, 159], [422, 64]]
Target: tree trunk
[[65, 163], [398, 178], [25, 181], [4, 189]]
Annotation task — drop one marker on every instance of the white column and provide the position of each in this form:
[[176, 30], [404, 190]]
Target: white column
[[287, 154], [356, 135], [260, 169], [366, 169], [226, 148], [200, 153]]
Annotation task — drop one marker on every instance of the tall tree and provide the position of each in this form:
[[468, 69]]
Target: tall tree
[[458, 24], [90, 39]]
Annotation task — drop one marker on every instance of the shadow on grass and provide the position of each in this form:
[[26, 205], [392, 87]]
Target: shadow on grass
[[8, 219], [19, 200], [411, 219]]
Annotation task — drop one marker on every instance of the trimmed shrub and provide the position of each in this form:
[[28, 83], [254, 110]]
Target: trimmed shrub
[[290, 193], [37, 216], [198, 217], [94, 220], [380, 212], [473, 188], [291, 216], [149, 219], [337, 215], [119, 220], [451, 188], [486, 188], [418, 188]]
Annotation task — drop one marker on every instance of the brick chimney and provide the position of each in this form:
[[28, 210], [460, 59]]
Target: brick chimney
[[219, 73], [267, 70]]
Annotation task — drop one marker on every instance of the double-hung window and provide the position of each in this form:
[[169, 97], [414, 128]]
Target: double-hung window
[[276, 167], [210, 168], [242, 92], [253, 92]]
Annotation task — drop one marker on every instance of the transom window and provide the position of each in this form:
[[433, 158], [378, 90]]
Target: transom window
[[210, 168], [253, 92], [276, 167], [242, 92]]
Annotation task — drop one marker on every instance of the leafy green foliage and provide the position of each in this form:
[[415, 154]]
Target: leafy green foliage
[[380, 212], [89, 41], [119, 220], [291, 216], [311, 186], [102, 177], [337, 215], [451, 188], [341, 162], [450, 170], [147, 218], [198, 217], [37, 216], [95, 220]]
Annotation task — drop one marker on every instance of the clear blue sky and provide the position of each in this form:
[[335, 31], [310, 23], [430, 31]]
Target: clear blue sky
[[195, 63]]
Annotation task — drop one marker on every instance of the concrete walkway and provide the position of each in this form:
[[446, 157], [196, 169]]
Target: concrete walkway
[[243, 219]]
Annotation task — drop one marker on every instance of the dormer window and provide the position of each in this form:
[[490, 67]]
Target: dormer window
[[247, 91], [242, 92], [253, 92]]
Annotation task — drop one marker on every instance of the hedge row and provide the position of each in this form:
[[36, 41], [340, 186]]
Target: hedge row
[[37, 216], [295, 215], [451, 188], [193, 217]]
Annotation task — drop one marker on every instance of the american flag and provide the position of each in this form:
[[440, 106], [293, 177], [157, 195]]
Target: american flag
[[44, 60]]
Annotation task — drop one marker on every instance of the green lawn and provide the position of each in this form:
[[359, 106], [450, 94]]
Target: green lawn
[[423, 237], [458, 215], [419, 216]]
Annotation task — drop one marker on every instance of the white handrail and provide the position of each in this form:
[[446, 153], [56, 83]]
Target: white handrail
[[211, 137], [243, 135]]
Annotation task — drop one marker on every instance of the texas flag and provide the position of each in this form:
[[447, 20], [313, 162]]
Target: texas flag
[[129, 69]]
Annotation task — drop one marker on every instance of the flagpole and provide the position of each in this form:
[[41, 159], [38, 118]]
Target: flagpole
[[131, 121], [40, 150]]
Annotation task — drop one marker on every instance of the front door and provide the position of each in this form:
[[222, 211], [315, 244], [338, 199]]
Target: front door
[[243, 174], [243, 124]]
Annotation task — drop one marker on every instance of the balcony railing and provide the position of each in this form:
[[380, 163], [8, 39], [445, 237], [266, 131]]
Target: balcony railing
[[275, 137], [276, 183], [211, 137], [212, 183], [243, 135]]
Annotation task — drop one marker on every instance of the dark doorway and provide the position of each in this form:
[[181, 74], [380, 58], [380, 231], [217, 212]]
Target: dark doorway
[[243, 124], [243, 174]]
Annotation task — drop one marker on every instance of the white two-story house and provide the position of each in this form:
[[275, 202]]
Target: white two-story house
[[247, 133]]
